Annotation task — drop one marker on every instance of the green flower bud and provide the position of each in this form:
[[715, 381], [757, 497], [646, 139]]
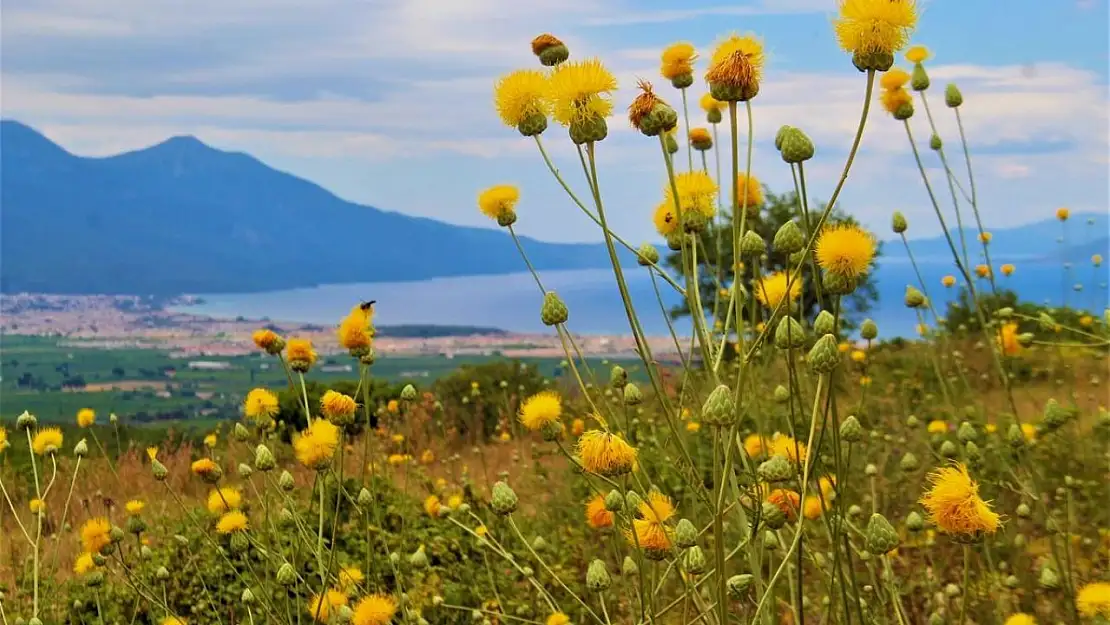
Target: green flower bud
[[408, 393], [904, 111], [882, 538], [789, 334], [554, 311], [94, 579], [824, 357], [135, 525], [504, 500], [629, 568], [854, 510], [797, 147], [618, 377], [870, 470], [781, 395], [418, 559], [685, 534], [285, 518], [240, 542], [647, 255], [694, 561], [914, 522], [632, 395], [116, 535], [825, 323], [159, 470], [597, 576], [912, 421], [247, 597], [898, 222], [780, 136], [589, 130], [775, 469], [719, 408], [850, 429], [738, 584], [909, 462], [1023, 511], [952, 96], [1046, 322], [671, 143], [914, 298], [948, 449], [26, 421], [81, 449], [772, 515], [919, 78], [1055, 415], [966, 432], [935, 143], [145, 552], [876, 60], [1048, 579], [264, 459], [972, 451], [1015, 437], [752, 244], [161, 574], [713, 116], [789, 239], [632, 502], [868, 330], [244, 470], [552, 55], [240, 433], [286, 481], [614, 502], [286, 576]]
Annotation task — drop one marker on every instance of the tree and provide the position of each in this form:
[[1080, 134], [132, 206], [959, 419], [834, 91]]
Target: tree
[[715, 250]]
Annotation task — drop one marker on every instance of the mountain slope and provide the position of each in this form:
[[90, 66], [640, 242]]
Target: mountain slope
[[182, 217], [1086, 235]]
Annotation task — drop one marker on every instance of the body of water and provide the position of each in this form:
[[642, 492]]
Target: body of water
[[512, 301]]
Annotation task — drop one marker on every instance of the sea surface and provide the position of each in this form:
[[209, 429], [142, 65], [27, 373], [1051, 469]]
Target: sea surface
[[512, 301]]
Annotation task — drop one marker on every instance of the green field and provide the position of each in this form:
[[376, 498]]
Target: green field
[[53, 378]]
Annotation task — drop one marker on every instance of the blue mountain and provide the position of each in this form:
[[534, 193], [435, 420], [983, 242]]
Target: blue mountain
[[183, 217]]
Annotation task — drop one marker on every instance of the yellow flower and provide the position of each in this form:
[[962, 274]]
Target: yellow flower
[[650, 531], [151, 453], [393, 406], [396, 459], [736, 67], [499, 202], [597, 516], [85, 417], [505, 437], [222, 500], [3, 439], [1008, 339], [696, 192], [866, 27], [936, 426], [859, 356], [172, 620], [827, 486], [1094, 599], [260, 405], [1086, 321], [427, 457], [356, 332], [985, 237], [1029, 431], [678, 60], [917, 54], [397, 438], [787, 500], [982, 270], [210, 440], [1007, 269], [374, 609], [693, 426], [1020, 618], [844, 347], [580, 91], [134, 506], [666, 219], [606, 454], [812, 507], [432, 506], [771, 289], [349, 577], [709, 103], [540, 410], [266, 340], [47, 441], [316, 445], [700, 136], [481, 530], [95, 534], [519, 97], [205, 468], [300, 354], [230, 522], [954, 504], [787, 447], [1096, 260], [845, 250], [991, 428], [751, 191], [753, 445], [322, 608], [1062, 214], [948, 281], [83, 564], [893, 79], [337, 406], [894, 99], [577, 427], [36, 506], [558, 618], [865, 380]]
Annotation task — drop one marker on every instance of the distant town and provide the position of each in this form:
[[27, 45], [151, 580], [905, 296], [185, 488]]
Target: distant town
[[119, 321]]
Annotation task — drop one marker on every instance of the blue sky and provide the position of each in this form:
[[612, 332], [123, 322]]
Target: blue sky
[[388, 102]]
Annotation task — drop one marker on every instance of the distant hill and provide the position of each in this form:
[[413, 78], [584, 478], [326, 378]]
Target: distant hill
[[183, 217], [1088, 233]]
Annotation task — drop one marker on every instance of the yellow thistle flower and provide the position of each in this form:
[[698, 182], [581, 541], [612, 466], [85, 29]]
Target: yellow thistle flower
[[337, 407], [260, 405], [875, 26], [83, 564], [859, 356], [3, 439], [844, 347], [499, 202], [650, 531], [917, 54], [95, 534], [316, 445], [481, 530], [322, 608], [172, 620], [893, 79], [991, 428], [787, 500], [954, 504], [709, 103], [606, 454], [812, 507], [678, 60], [204, 467], [1007, 269], [696, 191], [787, 447], [36, 506], [1096, 260], [577, 427], [700, 135], [693, 426], [666, 219], [356, 330], [397, 438], [349, 577], [1094, 599], [948, 281], [597, 516], [845, 250], [300, 354], [376, 609], [736, 68], [1020, 618], [985, 237], [47, 441], [393, 406], [771, 289], [134, 506], [865, 380], [936, 426], [580, 91], [540, 410], [265, 339], [827, 486], [1062, 214], [751, 191], [427, 457], [454, 501], [85, 417], [396, 459], [894, 99], [520, 97], [753, 445], [982, 270], [505, 437], [225, 499], [231, 522], [432, 506], [210, 440], [151, 453], [1008, 339]]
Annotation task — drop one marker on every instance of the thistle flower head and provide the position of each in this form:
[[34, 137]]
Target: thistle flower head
[[735, 69], [134, 506], [666, 219], [350, 577], [550, 49], [580, 91], [598, 515], [4, 439], [356, 330], [678, 60], [316, 445], [337, 407], [260, 405], [917, 54], [845, 250], [751, 191], [540, 410], [323, 607], [1062, 214], [268, 341], [84, 563], [696, 192], [1008, 339], [875, 28], [606, 454], [520, 98], [96, 534], [557, 618], [787, 501], [85, 417], [651, 531], [1094, 600], [787, 447], [771, 289], [894, 78], [172, 620], [224, 499], [710, 104], [499, 202], [300, 354], [376, 609], [47, 441], [206, 469], [954, 504], [231, 522]]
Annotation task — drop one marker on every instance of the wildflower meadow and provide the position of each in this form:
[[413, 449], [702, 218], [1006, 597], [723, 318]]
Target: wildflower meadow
[[793, 466]]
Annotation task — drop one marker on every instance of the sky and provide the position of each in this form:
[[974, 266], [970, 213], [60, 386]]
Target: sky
[[389, 102]]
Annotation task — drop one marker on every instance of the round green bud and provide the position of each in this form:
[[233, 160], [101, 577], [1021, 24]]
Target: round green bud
[[789, 239], [797, 147], [948, 449], [825, 323], [904, 111], [554, 55], [419, 559], [264, 458], [504, 501], [935, 142], [772, 515], [682, 81], [614, 502], [952, 96], [898, 222], [850, 430], [244, 470], [589, 131], [825, 356], [789, 334], [532, 125], [738, 585], [26, 421], [694, 561], [632, 502], [775, 469], [239, 542], [597, 576], [632, 395], [919, 78], [914, 298], [408, 393], [882, 538], [618, 377], [909, 462], [1048, 579], [161, 574], [685, 534], [159, 470], [713, 116], [781, 395], [286, 576], [554, 311], [966, 432], [752, 244], [719, 408], [629, 568], [914, 522], [780, 136], [81, 449], [838, 284], [1023, 511], [878, 61]]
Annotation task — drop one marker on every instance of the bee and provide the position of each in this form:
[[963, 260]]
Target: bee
[[368, 305]]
